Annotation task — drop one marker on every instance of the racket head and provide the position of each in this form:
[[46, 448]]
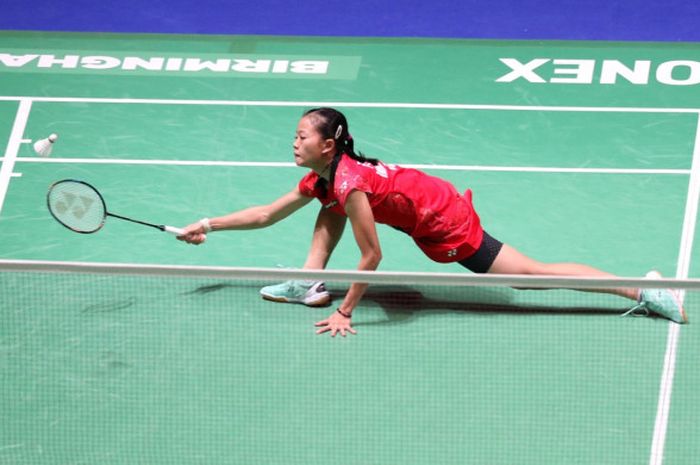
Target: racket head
[[76, 205]]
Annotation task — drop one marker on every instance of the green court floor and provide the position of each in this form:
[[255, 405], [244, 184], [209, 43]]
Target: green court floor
[[162, 370]]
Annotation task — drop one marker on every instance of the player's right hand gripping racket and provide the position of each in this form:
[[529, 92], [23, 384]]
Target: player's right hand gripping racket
[[80, 207]]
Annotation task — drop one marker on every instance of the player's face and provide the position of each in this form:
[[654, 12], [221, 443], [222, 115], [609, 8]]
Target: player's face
[[311, 150]]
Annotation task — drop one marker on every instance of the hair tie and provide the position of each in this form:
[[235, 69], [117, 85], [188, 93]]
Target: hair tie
[[338, 131]]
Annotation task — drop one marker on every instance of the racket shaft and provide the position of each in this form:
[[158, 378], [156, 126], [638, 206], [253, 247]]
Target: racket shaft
[[125, 218], [161, 227], [169, 229]]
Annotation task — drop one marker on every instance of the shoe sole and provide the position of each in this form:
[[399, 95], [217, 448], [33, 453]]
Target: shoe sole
[[321, 302]]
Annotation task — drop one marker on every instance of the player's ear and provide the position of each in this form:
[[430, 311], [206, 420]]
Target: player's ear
[[328, 146]]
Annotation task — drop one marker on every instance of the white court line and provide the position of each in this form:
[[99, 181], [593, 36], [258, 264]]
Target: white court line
[[688, 228], [683, 268], [306, 104], [396, 105], [13, 144], [265, 164]]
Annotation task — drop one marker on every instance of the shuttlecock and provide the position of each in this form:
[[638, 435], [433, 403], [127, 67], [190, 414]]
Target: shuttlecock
[[43, 147]]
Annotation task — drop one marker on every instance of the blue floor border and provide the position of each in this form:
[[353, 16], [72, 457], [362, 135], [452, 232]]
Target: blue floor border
[[615, 20]]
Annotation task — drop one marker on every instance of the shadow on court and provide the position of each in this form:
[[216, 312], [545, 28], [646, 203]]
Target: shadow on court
[[403, 303]]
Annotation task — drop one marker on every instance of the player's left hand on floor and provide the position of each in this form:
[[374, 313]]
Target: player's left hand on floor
[[336, 323]]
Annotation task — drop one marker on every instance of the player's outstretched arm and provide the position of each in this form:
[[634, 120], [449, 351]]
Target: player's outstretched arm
[[260, 216]]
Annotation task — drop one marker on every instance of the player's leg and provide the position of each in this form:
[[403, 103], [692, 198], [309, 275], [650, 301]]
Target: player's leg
[[327, 233], [508, 260], [496, 257], [328, 230], [511, 261]]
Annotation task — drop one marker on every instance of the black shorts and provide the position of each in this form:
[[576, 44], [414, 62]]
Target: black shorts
[[484, 257]]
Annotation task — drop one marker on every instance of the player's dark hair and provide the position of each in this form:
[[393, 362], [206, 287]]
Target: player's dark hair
[[332, 124]]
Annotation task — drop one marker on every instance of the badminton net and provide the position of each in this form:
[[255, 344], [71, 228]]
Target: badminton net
[[118, 363]]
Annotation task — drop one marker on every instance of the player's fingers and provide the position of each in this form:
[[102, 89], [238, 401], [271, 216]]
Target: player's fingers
[[193, 238], [322, 323]]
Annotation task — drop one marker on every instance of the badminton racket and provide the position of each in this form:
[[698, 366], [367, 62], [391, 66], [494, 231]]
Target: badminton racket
[[81, 208]]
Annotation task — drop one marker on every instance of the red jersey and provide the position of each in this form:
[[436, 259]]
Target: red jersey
[[440, 220]]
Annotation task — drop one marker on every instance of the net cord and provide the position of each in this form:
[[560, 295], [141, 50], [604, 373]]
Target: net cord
[[372, 277]]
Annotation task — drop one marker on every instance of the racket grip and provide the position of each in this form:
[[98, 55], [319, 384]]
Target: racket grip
[[176, 231], [173, 230]]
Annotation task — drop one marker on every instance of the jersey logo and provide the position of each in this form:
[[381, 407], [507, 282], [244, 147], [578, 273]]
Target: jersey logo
[[452, 253], [331, 204]]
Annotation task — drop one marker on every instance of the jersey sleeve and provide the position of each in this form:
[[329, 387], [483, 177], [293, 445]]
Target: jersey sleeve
[[351, 177], [307, 183]]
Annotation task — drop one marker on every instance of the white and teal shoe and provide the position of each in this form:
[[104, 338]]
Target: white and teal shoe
[[311, 293], [663, 302]]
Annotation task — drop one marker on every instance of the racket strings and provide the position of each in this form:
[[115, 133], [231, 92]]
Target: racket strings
[[77, 206]]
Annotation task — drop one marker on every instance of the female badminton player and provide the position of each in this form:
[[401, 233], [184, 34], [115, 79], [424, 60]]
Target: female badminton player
[[439, 219]]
